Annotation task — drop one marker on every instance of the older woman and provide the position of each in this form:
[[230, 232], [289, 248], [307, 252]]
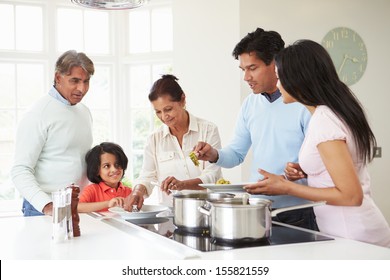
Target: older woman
[[166, 155]]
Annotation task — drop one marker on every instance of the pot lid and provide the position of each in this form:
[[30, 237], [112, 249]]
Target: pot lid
[[242, 201], [202, 195], [199, 195]]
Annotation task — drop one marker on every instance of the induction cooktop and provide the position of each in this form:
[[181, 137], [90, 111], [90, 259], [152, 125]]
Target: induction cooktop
[[202, 241]]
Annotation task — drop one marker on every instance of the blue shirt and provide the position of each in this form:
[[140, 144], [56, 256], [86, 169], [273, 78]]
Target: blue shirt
[[54, 93], [275, 131]]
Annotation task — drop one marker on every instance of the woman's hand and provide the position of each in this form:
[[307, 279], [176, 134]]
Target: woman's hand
[[294, 172], [135, 198], [116, 201], [171, 183], [271, 184]]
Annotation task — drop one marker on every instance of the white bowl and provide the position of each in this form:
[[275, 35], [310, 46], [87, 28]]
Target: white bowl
[[146, 211]]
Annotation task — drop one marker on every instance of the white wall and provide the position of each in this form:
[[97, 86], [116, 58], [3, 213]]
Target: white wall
[[206, 32]]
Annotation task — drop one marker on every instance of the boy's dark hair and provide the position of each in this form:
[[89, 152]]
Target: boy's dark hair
[[265, 44], [92, 159]]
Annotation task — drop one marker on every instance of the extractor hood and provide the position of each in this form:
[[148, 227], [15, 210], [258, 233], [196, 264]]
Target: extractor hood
[[110, 4]]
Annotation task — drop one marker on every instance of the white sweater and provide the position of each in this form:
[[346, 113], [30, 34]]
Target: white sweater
[[51, 142]]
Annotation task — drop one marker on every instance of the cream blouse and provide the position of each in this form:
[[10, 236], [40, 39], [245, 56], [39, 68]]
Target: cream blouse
[[164, 157]]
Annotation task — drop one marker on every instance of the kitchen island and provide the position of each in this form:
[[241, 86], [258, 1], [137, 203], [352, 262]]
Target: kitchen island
[[111, 238]]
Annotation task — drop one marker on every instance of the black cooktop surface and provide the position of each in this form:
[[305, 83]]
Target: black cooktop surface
[[202, 241]]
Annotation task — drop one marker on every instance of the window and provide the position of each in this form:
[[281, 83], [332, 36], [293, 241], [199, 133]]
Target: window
[[88, 30], [16, 32], [130, 49]]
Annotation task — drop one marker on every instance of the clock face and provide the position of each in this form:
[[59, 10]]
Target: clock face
[[348, 53]]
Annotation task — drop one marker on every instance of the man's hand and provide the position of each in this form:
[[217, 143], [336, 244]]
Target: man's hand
[[294, 172], [48, 209], [205, 152]]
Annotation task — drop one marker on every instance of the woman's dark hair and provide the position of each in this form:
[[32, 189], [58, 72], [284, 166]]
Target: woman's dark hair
[[307, 73], [93, 159], [265, 44], [166, 85]]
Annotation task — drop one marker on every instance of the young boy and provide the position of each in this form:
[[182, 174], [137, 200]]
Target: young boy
[[106, 165]]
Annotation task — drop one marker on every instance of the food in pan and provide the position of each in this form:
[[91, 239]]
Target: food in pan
[[222, 181], [194, 158]]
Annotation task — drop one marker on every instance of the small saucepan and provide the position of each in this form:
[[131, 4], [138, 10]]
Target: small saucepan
[[185, 208], [235, 220]]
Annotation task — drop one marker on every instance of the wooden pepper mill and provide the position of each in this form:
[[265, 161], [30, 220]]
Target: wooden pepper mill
[[75, 214]]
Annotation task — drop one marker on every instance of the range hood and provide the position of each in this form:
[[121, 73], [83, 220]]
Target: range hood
[[110, 4]]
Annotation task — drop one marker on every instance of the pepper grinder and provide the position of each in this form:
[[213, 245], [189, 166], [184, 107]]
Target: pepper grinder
[[75, 214]]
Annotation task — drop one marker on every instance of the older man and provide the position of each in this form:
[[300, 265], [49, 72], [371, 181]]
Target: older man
[[54, 136]]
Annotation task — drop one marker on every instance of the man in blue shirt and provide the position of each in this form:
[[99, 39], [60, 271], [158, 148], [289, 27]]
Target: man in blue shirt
[[274, 130]]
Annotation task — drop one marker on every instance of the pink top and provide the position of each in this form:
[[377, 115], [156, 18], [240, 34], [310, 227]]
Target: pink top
[[364, 223]]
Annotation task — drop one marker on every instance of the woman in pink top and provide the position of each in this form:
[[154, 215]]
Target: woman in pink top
[[337, 148]]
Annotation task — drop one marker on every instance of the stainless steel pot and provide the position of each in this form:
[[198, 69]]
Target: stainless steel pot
[[185, 209], [233, 220]]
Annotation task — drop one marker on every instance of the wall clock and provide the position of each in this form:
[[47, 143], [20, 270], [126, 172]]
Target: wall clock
[[348, 52]]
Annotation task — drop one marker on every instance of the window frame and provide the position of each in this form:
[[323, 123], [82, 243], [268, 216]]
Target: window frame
[[119, 60]]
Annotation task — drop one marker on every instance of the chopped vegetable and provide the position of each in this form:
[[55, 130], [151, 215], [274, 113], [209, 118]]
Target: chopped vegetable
[[194, 158], [222, 181]]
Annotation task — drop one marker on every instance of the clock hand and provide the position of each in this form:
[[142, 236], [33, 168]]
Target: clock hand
[[346, 56], [342, 64], [353, 59]]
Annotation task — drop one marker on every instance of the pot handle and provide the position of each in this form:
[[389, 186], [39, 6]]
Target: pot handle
[[202, 209], [300, 206], [245, 198]]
